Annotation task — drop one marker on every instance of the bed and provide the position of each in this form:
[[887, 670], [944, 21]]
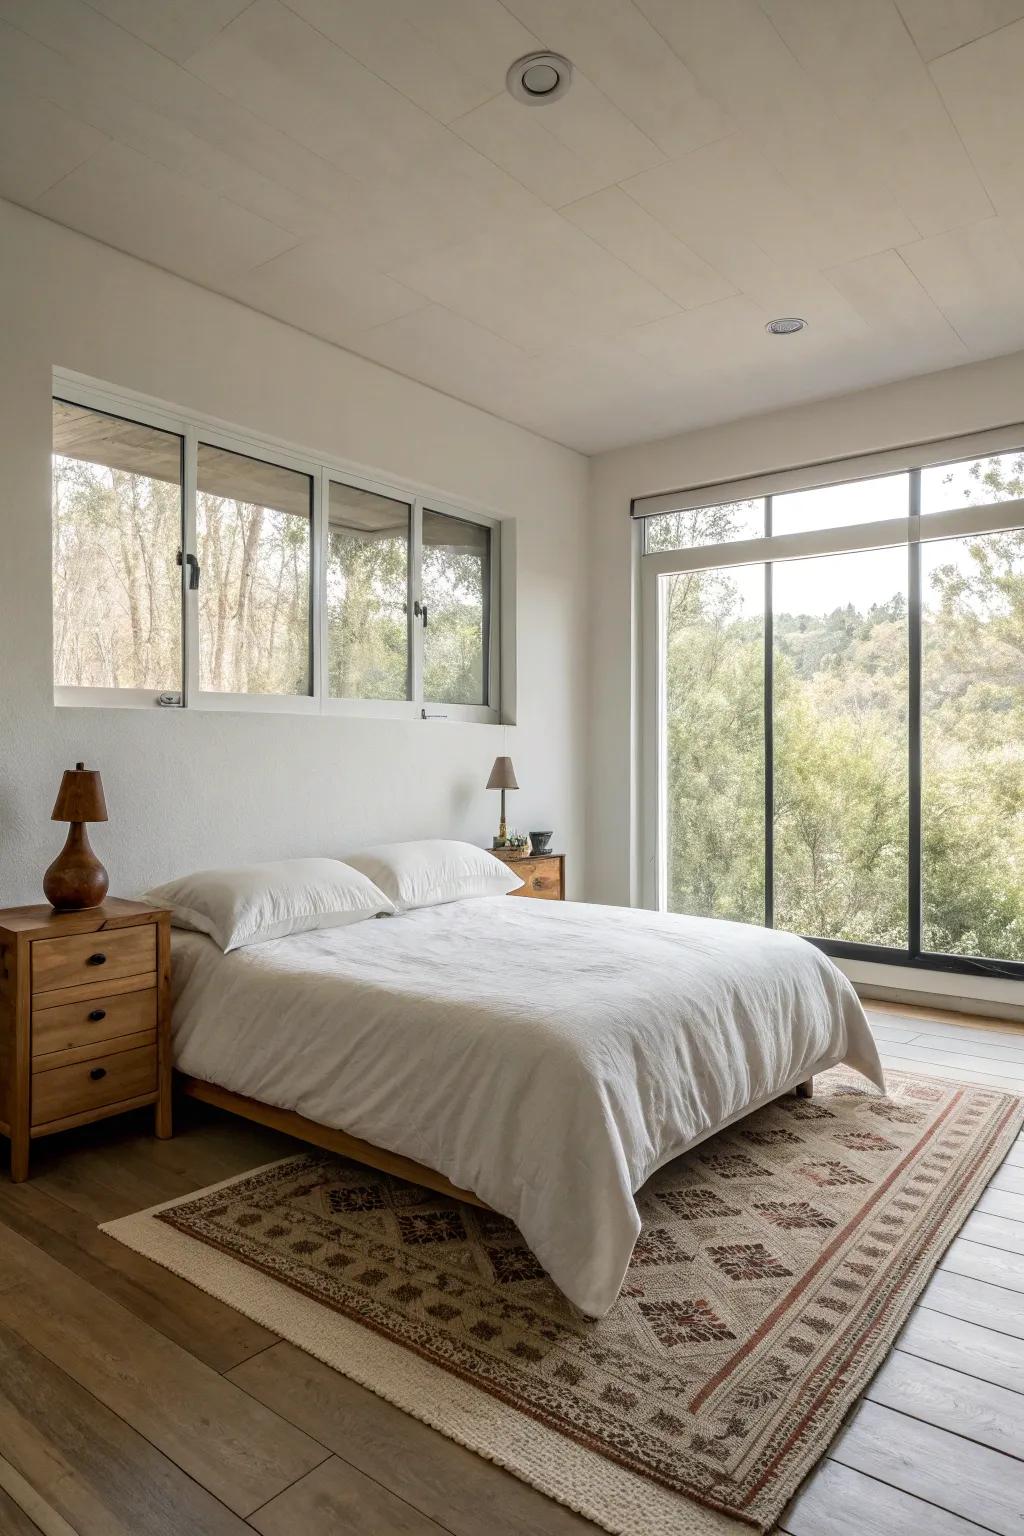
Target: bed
[[543, 1059]]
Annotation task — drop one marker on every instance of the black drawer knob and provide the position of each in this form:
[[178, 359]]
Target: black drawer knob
[[97, 1014], [96, 960], [97, 1073]]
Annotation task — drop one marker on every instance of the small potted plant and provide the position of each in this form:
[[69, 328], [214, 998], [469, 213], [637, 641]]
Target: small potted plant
[[517, 845]]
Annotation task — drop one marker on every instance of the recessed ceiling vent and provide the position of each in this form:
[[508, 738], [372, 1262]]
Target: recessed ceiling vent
[[538, 78], [786, 325]]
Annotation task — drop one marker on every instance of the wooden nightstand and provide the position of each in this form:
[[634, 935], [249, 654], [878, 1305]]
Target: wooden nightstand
[[542, 874], [85, 1019]]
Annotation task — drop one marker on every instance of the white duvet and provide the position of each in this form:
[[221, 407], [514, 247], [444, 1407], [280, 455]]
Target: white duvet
[[548, 1056]]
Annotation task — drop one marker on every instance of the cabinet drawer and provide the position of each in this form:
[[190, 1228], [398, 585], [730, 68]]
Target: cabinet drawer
[[88, 957], [73, 1025], [89, 1085], [540, 877]]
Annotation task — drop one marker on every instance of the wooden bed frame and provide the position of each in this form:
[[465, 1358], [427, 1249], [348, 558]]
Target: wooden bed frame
[[291, 1124]]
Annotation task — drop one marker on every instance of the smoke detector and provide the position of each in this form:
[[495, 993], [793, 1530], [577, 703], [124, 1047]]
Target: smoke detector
[[538, 78], [786, 325]]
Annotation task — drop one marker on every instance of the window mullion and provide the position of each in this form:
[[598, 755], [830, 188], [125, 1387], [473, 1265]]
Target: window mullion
[[318, 586], [915, 936], [189, 596], [188, 655], [769, 733], [493, 637], [414, 599], [649, 808]]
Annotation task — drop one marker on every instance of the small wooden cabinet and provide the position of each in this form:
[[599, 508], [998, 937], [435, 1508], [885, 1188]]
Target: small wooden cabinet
[[85, 1019], [542, 874]]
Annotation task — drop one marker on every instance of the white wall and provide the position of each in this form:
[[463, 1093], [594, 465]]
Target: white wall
[[187, 789], [957, 400]]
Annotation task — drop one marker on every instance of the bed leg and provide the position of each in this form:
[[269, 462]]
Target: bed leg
[[805, 1090]]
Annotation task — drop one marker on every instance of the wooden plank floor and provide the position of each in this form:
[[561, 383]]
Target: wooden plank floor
[[132, 1404]]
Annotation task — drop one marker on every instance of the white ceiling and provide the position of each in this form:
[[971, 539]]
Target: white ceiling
[[599, 269]]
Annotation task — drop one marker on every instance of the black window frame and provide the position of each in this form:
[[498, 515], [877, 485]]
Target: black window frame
[[914, 955]]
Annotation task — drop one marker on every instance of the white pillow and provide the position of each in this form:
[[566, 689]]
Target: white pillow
[[249, 905], [426, 873]]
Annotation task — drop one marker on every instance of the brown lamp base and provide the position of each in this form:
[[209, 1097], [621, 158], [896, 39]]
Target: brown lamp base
[[76, 880]]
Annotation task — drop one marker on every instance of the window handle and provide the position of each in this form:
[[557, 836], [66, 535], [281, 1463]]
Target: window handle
[[193, 569], [420, 610]]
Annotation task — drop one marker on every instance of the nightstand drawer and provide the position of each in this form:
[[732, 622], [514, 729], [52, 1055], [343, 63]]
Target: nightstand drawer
[[88, 1085], [540, 877], [85, 1019], [89, 957], [74, 1025]]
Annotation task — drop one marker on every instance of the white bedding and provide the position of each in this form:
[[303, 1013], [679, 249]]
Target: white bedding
[[548, 1056]]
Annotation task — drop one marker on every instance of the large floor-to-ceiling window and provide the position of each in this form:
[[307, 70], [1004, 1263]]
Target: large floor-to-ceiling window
[[833, 722]]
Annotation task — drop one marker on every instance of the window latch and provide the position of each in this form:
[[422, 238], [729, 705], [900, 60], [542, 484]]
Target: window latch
[[420, 610], [193, 569]]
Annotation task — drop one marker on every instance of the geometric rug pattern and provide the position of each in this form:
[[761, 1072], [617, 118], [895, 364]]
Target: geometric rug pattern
[[776, 1264]]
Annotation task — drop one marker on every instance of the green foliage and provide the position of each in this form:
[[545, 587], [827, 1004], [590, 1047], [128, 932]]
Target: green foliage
[[116, 581], [715, 749], [253, 598], [117, 595], [453, 645], [705, 525], [367, 590], [117, 586], [841, 750], [367, 630]]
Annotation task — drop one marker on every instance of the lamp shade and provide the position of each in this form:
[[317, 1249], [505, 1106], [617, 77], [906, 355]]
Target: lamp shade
[[80, 797], [503, 775]]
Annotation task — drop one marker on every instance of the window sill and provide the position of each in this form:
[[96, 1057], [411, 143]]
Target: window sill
[[923, 964], [277, 704]]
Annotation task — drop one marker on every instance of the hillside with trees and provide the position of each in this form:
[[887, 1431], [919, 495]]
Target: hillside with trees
[[840, 724]]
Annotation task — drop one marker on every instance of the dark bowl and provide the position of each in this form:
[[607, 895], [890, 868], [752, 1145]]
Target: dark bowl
[[539, 841]]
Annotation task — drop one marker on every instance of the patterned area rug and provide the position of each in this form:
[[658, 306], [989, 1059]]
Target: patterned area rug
[[776, 1264]]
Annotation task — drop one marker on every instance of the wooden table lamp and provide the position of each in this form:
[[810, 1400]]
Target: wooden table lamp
[[76, 879], [503, 776]]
